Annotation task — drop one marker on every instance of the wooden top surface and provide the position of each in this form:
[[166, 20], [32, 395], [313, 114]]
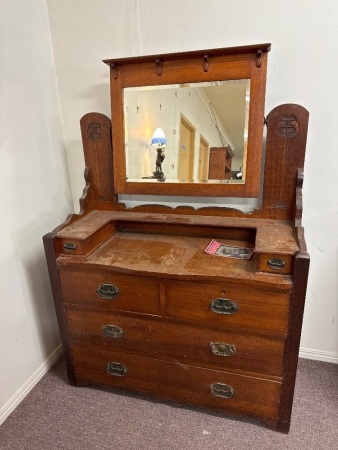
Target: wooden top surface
[[274, 236], [175, 256]]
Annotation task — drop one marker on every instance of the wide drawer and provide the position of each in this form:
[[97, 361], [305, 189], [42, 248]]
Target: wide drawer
[[228, 306], [178, 342], [185, 383], [110, 291]]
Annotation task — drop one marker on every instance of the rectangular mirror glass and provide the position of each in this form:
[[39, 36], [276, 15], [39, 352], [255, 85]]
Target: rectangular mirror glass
[[187, 133]]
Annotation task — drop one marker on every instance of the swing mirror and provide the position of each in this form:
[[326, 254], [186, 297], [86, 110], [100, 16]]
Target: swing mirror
[[189, 123]]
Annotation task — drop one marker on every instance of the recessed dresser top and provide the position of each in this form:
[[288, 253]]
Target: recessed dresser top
[[272, 235], [170, 245]]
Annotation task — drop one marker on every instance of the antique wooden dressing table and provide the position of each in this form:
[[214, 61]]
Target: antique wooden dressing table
[[140, 304]]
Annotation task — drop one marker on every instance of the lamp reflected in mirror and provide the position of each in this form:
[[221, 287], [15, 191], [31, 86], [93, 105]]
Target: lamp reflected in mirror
[[159, 142]]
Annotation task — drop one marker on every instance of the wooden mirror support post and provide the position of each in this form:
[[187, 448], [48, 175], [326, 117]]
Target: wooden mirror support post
[[141, 306]]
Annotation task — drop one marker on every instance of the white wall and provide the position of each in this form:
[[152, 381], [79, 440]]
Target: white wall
[[143, 114], [35, 195], [302, 68]]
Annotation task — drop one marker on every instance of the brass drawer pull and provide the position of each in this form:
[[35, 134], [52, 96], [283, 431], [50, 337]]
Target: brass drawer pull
[[276, 263], [112, 331], [222, 390], [223, 306], [69, 247], [222, 349], [117, 369], [108, 291]]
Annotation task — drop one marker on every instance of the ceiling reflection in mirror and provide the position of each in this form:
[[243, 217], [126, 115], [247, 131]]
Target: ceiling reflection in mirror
[[187, 133]]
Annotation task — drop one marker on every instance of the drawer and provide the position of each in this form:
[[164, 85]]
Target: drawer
[[110, 291], [178, 342], [184, 383], [279, 264], [228, 306]]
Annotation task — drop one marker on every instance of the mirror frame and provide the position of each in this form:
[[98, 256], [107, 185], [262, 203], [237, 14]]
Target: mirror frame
[[247, 62]]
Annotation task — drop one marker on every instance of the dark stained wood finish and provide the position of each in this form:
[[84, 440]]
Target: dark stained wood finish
[[79, 287], [258, 310], [261, 310], [297, 302], [60, 312], [286, 135], [155, 256], [179, 341], [96, 138], [253, 395]]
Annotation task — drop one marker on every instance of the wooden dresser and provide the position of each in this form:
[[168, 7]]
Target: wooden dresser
[[142, 307]]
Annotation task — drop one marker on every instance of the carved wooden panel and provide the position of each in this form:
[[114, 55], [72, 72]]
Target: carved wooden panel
[[96, 137], [285, 152]]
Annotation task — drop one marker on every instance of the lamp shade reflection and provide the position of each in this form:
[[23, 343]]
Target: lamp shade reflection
[[158, 139]]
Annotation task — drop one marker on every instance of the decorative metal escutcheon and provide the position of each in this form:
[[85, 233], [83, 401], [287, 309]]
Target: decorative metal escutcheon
[[223, 306], [112, 331], [276, 263], [108, 291], [222, 390], [117, 369], [69, 246], [222, 349]]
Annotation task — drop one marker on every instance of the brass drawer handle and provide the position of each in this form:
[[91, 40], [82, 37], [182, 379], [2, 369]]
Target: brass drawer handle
[[112, 331], [69, 247], [223, 306], [222, 390], [108, 291], [222, 349], [117, 369], [276, 263]]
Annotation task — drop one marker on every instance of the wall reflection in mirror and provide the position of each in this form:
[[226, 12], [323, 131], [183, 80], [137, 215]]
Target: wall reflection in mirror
[[191, 133]]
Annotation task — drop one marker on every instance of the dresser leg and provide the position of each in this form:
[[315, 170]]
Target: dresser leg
[[283, 426]]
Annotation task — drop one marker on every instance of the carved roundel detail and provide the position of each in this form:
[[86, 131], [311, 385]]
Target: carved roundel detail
[[287, 126], [94, 131]]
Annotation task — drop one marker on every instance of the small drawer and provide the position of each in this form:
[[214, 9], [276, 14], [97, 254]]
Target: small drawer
[[228, 306], [272, 263], [185, 383], [110, 291], [178, 342]]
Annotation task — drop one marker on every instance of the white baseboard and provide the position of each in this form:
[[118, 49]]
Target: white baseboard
[[309, 353], [12, 403]]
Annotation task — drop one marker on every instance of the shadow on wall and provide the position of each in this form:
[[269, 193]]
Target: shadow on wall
[[39, 305]]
